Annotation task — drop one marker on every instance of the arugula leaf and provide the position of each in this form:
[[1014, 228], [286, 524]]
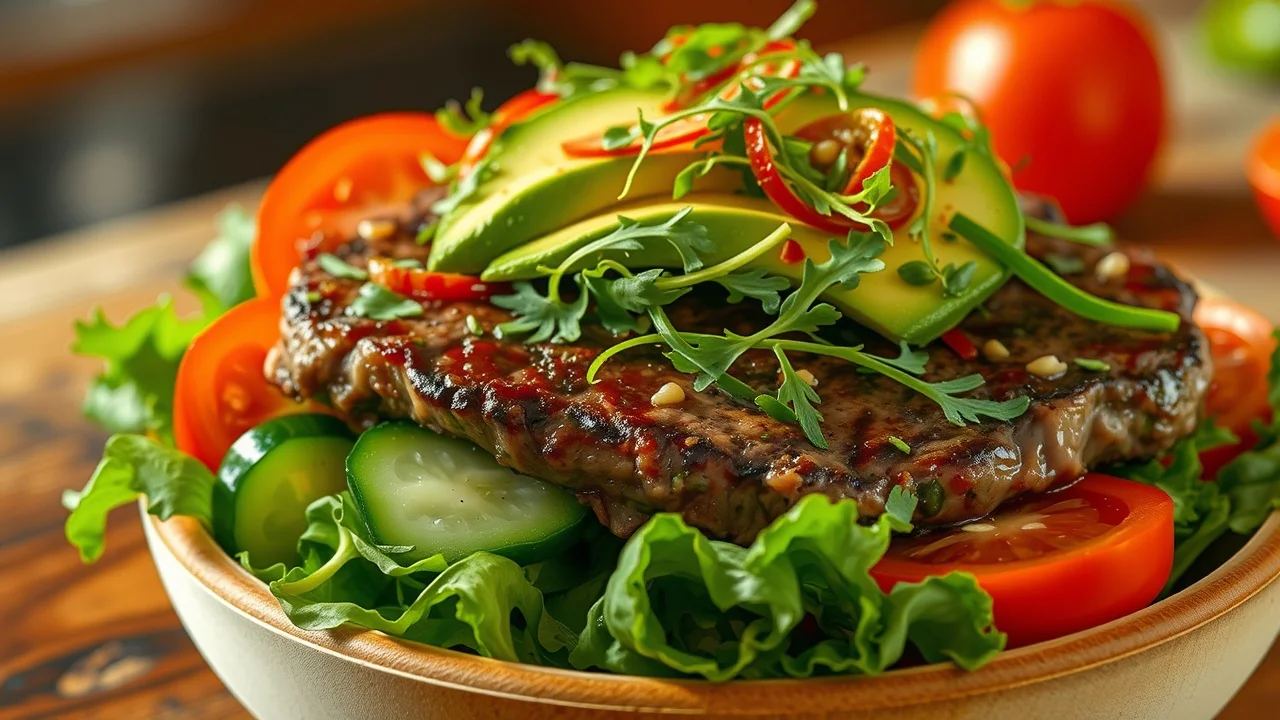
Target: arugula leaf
[[220, 274], [711, 356], [134, 393], [465, 121], [800, 397], [132, 465], [756, 284], [619, 300], [378, 303], [680, 604], [543, 318]]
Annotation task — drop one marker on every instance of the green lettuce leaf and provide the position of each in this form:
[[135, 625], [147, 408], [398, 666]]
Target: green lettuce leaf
[[220, 275], [134, 392], [680, 604], [348, 578], [174, 484], [1244, 493]]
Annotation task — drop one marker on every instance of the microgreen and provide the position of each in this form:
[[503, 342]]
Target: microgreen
[[465, 120], [901, 444], [800, 397]]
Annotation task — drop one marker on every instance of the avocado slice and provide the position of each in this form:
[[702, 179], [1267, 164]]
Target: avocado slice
[[883, 301], [535, 188]]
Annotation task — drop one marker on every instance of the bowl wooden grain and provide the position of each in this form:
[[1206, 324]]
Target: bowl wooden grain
[[1181, 658]]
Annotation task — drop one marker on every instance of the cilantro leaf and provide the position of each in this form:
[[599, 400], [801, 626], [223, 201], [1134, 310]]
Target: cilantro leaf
[[541, 317], [901, 503], [378, 303], [220, 274]]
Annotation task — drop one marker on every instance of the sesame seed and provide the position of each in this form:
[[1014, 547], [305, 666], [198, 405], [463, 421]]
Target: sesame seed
[[669, 394], [994, 350], [1113, 265], [373, 230], [1047, 366], [808, 377], [978, 527]]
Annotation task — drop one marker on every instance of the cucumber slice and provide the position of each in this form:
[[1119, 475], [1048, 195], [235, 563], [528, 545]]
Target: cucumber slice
[[269, 477], [442, 495]]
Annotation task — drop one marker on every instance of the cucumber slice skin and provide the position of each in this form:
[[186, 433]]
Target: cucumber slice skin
[[380, 493], [319, 439]]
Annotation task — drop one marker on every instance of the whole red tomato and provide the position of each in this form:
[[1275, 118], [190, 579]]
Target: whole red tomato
[[1070, 90]]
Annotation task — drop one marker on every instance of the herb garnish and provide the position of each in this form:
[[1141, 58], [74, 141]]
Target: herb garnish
[[340, 268], [378, 303]]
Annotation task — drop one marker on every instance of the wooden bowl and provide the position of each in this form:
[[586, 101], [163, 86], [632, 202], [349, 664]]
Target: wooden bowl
[[1181, 658]]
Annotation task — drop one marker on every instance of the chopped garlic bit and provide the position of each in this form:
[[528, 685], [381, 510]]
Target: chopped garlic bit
[[808, 377], [994, 350], [1113, 265], [374, 230], [669, 394], [1047, 366]]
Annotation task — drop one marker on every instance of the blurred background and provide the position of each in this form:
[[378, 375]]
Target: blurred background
[[108, 107]]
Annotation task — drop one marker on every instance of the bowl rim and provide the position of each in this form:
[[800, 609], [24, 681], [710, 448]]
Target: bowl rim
[[1245, 574]]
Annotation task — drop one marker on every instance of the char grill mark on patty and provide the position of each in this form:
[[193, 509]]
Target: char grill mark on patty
[[727, 467]]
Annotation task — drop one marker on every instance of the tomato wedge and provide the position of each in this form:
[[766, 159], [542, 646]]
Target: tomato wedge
[[221, 392], [426, 285], [1053, 564], [685, 132], [516, 109], [367, 162], [1241, 343]]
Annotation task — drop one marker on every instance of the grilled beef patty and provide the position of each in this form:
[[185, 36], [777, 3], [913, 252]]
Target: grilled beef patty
[[728, 468]]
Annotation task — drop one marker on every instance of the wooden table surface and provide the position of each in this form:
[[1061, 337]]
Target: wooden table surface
[[103, 642]]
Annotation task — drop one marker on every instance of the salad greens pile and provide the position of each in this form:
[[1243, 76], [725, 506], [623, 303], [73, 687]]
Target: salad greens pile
[[668, 602]]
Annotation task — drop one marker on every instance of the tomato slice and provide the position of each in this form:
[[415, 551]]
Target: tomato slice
[[518, 108], [426, 285], [683, 133], [1056, 563], [1241, 343], [367, 162], [220, 391], [1264, 174]]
